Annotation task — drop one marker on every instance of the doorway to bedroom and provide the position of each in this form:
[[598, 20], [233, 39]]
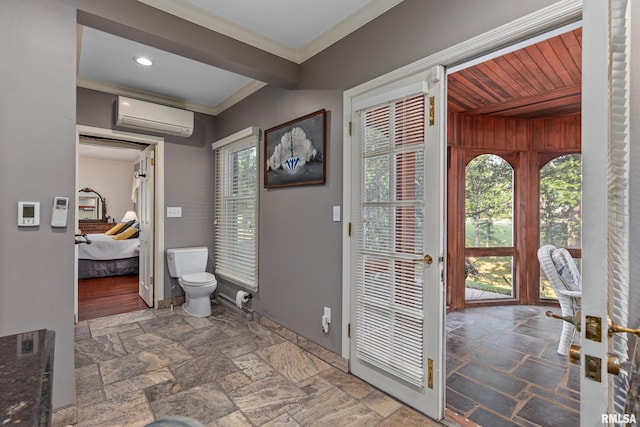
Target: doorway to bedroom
[[116, 200]]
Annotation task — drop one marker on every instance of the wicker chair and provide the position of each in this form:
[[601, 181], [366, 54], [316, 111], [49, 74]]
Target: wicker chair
[[559, 267]]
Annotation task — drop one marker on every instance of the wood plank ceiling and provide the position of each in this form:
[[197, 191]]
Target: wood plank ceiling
[[541, 80]]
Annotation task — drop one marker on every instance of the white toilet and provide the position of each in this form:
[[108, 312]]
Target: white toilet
[[188, 266]]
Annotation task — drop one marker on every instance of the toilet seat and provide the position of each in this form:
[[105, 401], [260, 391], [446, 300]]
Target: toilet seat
[[202, 278]]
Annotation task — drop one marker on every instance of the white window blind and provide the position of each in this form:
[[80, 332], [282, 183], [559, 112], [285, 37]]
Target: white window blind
[[236, 217], [389, 234]]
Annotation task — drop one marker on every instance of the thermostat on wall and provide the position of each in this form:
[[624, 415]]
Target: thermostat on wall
[[28, 214]]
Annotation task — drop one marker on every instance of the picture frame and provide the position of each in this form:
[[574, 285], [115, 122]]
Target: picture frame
[[294, 152]]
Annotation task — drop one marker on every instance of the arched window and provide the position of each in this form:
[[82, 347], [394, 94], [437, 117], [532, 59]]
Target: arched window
[[560, 209], [489, 245]]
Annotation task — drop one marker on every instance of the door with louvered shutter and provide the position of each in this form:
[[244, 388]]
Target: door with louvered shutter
[[397, 313]]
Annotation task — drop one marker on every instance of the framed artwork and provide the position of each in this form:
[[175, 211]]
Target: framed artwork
[[294, 152]]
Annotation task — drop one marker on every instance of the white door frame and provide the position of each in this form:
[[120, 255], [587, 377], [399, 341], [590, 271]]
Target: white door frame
[[146, 211], [158, 273], [594, 396], [595, 153], [546, 19]]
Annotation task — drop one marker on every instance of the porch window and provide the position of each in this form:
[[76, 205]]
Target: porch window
[[489, 245], [560, 209]]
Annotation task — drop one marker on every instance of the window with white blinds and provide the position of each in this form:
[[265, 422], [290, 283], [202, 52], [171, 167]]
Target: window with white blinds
[[389, 236], [236, 218]]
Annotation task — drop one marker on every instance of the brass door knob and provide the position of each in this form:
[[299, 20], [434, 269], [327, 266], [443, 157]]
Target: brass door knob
[[613, 328], [613, 362], [427, 259], [574, 320]]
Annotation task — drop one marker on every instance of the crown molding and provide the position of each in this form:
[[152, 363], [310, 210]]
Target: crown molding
[[546, 19], [239, 95], [144, 96], [221, 25], [236, 97], [346, 27]]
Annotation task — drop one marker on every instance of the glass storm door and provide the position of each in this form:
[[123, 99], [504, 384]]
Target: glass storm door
[[397, 312]]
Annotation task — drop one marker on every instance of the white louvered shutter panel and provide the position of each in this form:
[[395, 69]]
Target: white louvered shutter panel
[[389, 234]]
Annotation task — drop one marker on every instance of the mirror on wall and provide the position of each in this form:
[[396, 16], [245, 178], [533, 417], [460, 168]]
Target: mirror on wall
[[91, 206]]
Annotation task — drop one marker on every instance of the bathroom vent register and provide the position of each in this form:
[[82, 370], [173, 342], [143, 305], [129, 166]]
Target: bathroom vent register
[[229, 303]]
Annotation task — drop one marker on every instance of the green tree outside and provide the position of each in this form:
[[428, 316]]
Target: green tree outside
[[560, 198], [489, 202], [489, 216]]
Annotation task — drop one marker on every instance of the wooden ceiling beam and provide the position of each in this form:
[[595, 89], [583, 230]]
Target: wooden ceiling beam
[[551, 99]]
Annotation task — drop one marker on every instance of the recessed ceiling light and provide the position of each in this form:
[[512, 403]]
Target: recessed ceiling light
[[143, 61]]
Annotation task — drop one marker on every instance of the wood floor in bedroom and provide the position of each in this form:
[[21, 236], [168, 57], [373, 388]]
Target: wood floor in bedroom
[[108, 295]]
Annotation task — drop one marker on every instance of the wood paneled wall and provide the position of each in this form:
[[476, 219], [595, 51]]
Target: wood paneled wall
[[509, 134], [526, 144], [556, 135], [487, 132]]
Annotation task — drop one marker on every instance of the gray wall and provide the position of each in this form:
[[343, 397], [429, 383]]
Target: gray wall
[[188, 178], [150, 26], [299, 245], [300, 259], [37, 135], [409, 32], [300, 262]]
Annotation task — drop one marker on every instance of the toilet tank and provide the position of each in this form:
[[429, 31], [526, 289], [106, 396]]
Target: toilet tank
[[183, 261]]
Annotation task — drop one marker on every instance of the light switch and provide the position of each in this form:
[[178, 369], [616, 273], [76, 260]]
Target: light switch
[[174, 212], [336, 213]]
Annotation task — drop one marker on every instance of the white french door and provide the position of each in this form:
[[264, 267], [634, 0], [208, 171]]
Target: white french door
[[146, 203], [396, 248]]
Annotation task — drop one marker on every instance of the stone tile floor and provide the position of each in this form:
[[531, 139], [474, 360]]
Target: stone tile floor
[[503, 368], [132, 368], [221, 370]]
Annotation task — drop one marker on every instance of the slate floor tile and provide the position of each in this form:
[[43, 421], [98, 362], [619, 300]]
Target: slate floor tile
[[517, 363], [483, 395], [544, 375], [546, 413], [503, 382], [483, 417]]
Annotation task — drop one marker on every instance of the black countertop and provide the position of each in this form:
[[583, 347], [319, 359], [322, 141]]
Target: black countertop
[[26, 376]]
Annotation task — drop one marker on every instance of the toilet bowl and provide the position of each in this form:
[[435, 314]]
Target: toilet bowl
[[188, 266]]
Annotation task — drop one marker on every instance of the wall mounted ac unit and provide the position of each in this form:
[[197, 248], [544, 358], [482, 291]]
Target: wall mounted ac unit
[[133, 113]]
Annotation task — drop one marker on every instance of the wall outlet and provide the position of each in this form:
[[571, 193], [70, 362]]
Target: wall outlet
[[326, 320]]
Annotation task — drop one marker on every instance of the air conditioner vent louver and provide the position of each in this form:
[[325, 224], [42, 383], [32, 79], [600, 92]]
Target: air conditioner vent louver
[[136, 114]]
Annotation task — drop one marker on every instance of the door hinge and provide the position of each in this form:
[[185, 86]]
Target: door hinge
[[151, 280], [153, 161], [430, 373], [350, 128], [349, 330], [349, 229], [432, 110]]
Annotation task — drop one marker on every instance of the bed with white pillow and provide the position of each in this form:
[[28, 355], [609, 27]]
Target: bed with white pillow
[[105, 256]]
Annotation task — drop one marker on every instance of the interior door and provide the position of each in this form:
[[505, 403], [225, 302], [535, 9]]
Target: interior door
[[145, 199], [396, 285]]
